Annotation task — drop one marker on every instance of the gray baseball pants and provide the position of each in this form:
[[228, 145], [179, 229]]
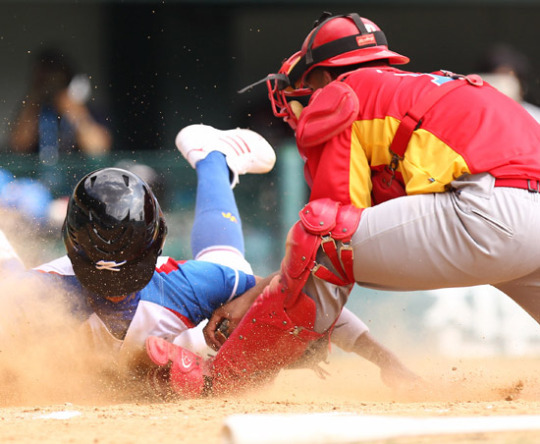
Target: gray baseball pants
[[474, 234]]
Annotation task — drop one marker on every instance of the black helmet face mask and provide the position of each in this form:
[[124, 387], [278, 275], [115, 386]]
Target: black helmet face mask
[[114, 231]]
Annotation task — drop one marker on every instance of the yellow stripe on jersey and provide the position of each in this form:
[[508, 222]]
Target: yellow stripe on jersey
[[375, 136], [424, 170], [368, 149], [430, 170]]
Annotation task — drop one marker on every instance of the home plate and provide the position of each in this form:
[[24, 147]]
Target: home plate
[[64, 414], [346, 428]]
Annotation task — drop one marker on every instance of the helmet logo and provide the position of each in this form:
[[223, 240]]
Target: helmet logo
[[370, 27], [186, 361], [109, 265], [366, 39]]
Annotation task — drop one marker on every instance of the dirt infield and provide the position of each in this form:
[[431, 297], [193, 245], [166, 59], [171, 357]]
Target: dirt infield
[[85, 414], [50, 391]]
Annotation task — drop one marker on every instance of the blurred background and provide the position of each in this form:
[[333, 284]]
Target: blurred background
[[145, 69]]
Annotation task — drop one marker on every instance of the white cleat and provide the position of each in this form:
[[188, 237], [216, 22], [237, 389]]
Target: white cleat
[[245, 151]]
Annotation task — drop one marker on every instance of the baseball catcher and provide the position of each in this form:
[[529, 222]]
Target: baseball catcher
[[418, 181]]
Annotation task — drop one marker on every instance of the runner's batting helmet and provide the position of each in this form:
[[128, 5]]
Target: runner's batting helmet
[[341, 40], [114, 232]]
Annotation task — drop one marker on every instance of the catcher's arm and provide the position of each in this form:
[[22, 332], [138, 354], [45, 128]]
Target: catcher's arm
[[225, 319], [393, 372], [352, 335]]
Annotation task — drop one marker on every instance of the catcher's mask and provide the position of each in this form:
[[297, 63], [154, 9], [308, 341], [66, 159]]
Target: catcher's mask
[[114, 232], [340, 40]]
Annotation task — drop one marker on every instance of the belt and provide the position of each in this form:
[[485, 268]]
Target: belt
[[532, 185]]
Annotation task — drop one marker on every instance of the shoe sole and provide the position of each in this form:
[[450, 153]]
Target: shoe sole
[[238, 141]]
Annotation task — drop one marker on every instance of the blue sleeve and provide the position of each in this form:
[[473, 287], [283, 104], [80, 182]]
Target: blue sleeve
[[213, 285], [197, 288]]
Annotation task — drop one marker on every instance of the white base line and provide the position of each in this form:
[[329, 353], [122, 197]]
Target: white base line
[[347, 428]]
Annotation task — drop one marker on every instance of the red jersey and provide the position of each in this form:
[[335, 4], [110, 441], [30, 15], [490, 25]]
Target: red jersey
[[468, 131]]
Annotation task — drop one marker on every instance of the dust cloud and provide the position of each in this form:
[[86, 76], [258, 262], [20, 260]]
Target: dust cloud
[[44, 354]]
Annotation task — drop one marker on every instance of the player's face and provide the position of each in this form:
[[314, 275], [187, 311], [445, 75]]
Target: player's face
[[116, 299], [318, 78]]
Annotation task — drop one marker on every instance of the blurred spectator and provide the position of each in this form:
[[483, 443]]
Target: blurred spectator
[[54, 117], [27, 196], [508, 70]]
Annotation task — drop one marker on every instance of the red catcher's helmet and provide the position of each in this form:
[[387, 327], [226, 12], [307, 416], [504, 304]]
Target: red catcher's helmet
[[340, 40]]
